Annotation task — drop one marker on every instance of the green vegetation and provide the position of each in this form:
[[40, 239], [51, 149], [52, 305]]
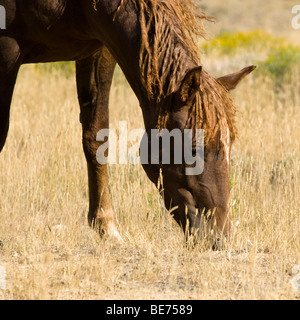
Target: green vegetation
[[66, 67], [282, 64], [280, 61], [232, 43]]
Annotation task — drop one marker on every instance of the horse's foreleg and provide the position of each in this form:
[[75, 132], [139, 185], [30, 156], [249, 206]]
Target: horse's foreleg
[[9, 66], [94, 77]]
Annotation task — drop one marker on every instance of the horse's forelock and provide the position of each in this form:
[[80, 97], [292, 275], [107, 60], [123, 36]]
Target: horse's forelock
[[212, 110]]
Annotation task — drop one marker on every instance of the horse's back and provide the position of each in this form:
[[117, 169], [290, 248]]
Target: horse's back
[[51, 30]]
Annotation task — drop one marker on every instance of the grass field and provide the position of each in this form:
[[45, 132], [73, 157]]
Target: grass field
[[47, 248]]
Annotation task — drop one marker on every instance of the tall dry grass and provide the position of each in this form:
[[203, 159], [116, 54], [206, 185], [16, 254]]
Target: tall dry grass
[[47, 248], [50, 252]]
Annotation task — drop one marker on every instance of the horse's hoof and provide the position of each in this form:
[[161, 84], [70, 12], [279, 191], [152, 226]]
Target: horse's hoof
[[114, 234]]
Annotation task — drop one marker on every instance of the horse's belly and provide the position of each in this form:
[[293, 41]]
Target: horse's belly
[[60, 51]]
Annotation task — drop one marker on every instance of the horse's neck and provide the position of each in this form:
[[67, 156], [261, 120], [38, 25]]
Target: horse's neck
[[122, 35]]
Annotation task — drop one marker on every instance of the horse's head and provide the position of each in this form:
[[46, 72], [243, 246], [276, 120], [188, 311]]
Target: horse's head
[[195, 191]]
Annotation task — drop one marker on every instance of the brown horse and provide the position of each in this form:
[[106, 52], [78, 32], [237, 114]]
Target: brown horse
[[152, 41]]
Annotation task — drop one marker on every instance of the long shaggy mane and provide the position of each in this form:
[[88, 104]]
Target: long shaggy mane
[[169, 33]]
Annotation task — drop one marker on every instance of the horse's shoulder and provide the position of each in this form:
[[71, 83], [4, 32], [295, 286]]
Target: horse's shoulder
[[49, 11]]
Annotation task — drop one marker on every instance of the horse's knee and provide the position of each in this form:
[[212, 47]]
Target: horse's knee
[[3, 133], [4, 120], [90, 144], [9, 65]]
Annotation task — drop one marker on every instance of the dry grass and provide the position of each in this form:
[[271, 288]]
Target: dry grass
[[49, 252], [273, 16]]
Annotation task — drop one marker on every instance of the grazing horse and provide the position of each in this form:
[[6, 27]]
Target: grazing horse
[[153, 42]]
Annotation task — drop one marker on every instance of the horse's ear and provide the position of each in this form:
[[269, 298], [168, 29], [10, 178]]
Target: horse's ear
[[231, 80], [190, 84]]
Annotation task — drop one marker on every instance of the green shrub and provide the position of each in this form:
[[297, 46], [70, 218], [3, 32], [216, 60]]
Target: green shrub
[[274, 57], [281, 63], [231, 43], [66, 67]]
